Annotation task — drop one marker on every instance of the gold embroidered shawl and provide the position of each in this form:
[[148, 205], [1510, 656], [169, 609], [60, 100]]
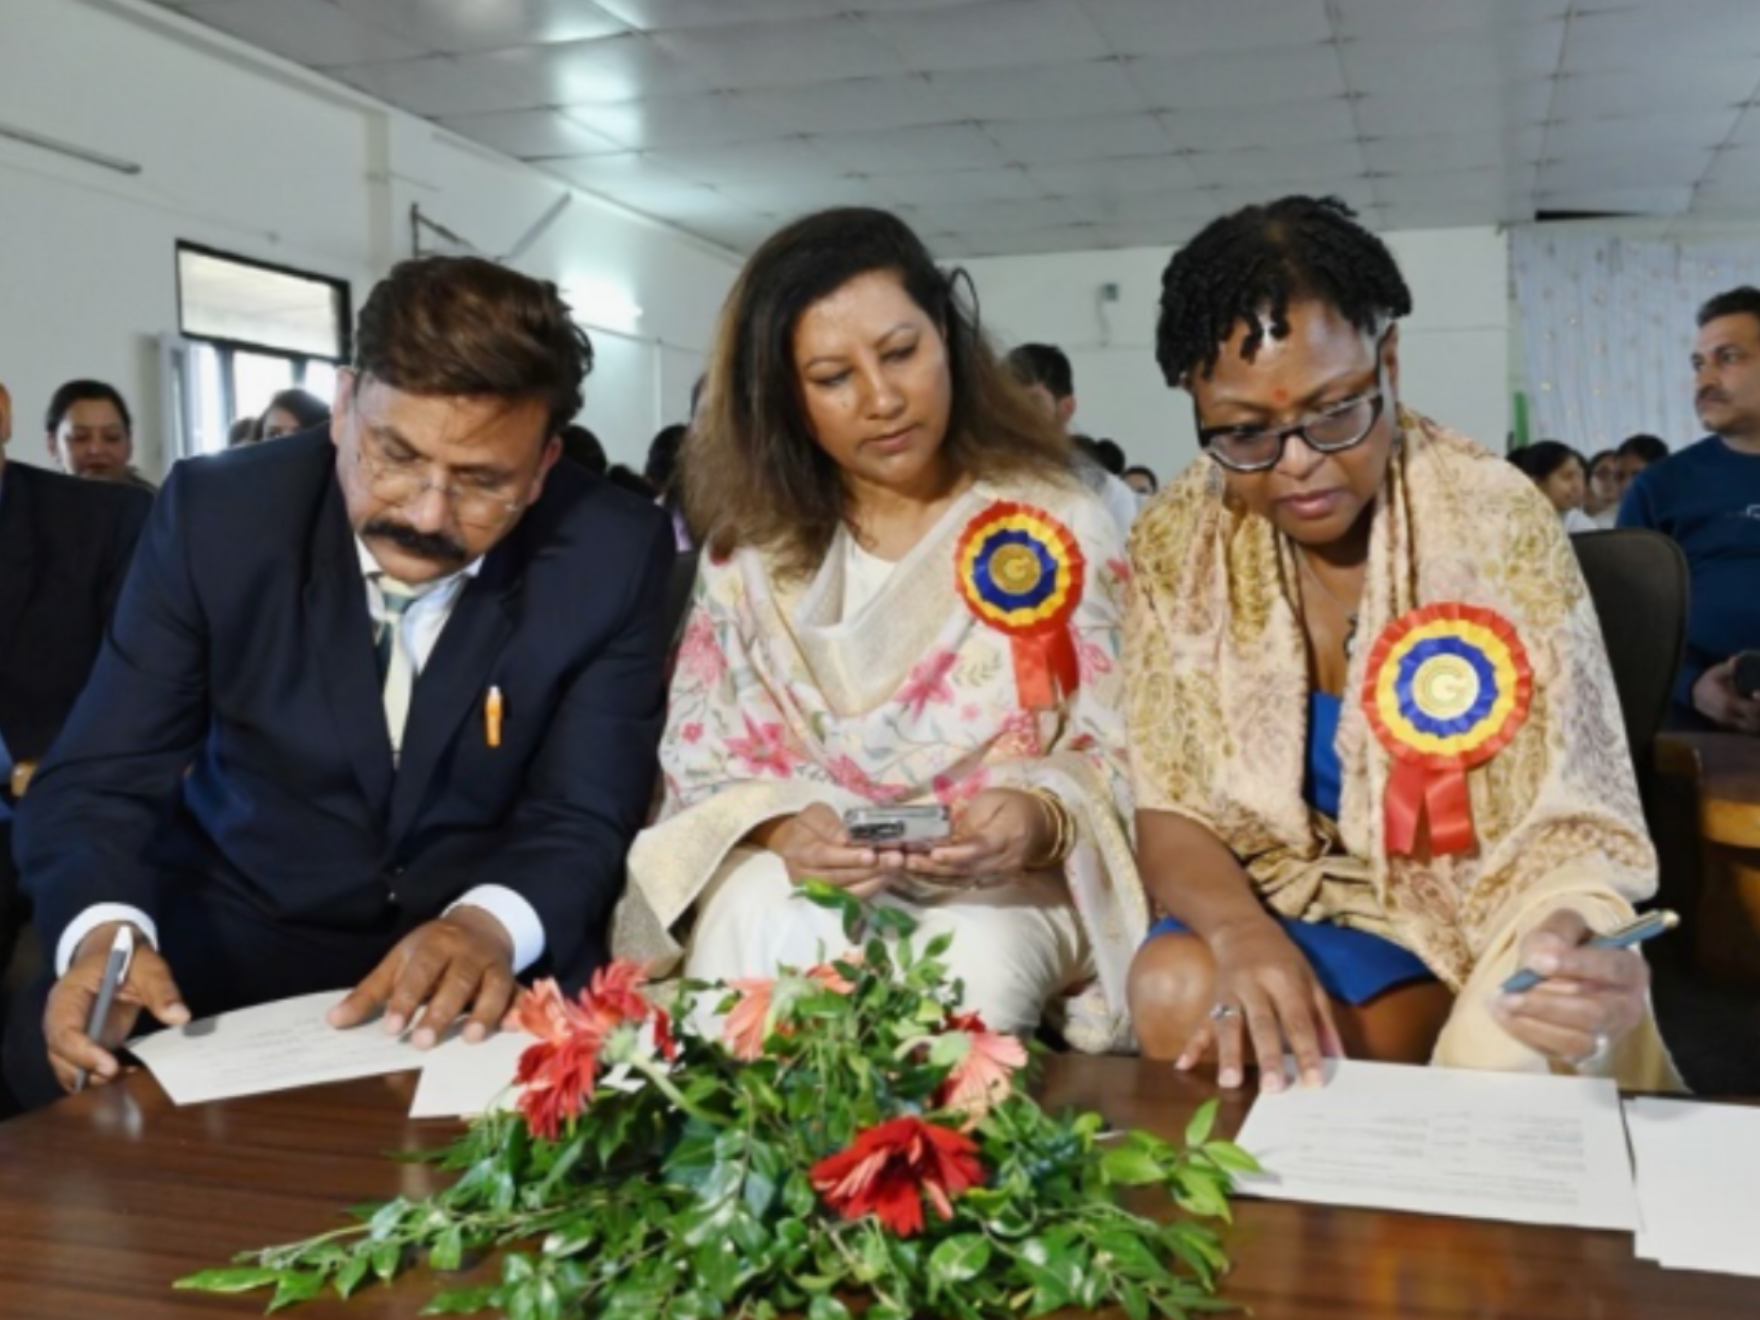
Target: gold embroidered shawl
[[1218, 700], [779, 702]]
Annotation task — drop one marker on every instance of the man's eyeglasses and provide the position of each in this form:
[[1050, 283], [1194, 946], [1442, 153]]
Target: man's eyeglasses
[[401, 480], [1257, 449]]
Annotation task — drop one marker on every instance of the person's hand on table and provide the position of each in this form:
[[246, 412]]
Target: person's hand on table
[[813, 845], [1266, 993], [1715, 697], [1591, 997], [148, 985], [461, 963]]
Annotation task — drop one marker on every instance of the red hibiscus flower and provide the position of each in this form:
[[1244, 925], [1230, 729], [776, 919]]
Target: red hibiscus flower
[[891, 1168], [559, 1071], [748, 1023], [984, 1076]]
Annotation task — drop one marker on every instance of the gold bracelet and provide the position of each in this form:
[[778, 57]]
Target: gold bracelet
[[1063, 827]]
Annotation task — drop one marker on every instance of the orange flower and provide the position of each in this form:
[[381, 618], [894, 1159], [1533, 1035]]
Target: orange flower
[[748, 1024], [889, 1169], [559, 1072], [985, 1075]]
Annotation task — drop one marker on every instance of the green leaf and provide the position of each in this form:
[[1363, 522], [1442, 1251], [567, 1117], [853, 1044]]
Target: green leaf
[[1202, 1124], [959, 1259], [1131, 1165], [1231, 1157], [385, 1258], [826, 1307], [447, 1252], [1135, 1304], [295, 1286], [349, 1276], [949, 1049], [460, 1301], [236, 1280]]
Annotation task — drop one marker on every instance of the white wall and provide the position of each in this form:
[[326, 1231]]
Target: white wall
[[246, 153], [1454, 347]]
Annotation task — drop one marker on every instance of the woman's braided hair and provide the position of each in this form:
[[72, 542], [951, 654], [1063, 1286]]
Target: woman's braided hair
[[1251, 265]]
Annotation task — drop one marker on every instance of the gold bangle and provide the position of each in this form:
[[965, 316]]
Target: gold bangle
[[1063, 828]]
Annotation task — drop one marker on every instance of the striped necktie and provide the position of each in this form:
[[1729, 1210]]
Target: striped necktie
[[396, 671]]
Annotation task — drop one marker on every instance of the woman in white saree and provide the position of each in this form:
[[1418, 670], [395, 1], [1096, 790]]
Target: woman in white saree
[[906, 598]]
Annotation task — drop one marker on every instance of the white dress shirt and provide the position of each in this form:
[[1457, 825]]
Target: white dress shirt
[[420, 626]]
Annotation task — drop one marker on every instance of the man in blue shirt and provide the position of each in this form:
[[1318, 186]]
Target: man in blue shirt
[[1707, 497]]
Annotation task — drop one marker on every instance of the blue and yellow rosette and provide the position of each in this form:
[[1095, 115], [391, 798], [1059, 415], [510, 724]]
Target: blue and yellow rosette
[[1021, 572], [1446, 687]]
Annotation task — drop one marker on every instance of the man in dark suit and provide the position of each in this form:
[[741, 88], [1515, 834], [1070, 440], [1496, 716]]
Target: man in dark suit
[[64, 547], [379, 707]]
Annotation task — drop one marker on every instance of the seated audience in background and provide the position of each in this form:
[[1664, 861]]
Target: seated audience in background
[[1111, 457], [1604, 489], [1707, 497], [662, 474], [1558, 471], [241, 432], [884, 509], [377, 708], [90, 433], [1142, 480], [64, 547], [582, 448], [1637, 452], [289, 413], [1324, 887], [1045, 370]]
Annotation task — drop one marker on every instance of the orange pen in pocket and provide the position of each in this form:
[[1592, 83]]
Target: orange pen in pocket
[[492, 717]]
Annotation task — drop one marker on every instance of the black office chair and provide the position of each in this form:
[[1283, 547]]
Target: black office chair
[[1638, 581]]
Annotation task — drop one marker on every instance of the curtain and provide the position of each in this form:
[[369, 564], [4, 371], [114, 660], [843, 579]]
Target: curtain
[[1607, 328]]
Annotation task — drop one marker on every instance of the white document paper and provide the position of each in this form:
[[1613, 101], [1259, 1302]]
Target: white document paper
[[272, 1047], [1442, 1141], [1698, 1169], [460, 1080]]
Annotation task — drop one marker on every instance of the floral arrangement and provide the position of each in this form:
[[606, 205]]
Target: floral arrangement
[[849, 1137]]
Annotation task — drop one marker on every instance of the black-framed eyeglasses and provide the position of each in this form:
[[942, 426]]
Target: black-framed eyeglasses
[[1258, 449]]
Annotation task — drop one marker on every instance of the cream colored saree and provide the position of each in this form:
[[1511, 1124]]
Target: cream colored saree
[[1218, 697], [779, 701]]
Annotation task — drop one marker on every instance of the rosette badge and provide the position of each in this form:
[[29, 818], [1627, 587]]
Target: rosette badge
[[1445, 689], [1021, 572]]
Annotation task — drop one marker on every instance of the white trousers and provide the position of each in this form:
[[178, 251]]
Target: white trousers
[[1017, 946]]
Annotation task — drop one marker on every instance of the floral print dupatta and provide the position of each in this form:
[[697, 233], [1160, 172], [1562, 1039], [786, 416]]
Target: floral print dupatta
[[778, 702]]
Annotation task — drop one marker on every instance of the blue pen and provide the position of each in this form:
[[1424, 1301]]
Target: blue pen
[[1646, 927]]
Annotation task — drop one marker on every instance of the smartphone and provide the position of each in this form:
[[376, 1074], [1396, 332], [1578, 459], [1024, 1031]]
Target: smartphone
[[1747, 675], [907, 829]]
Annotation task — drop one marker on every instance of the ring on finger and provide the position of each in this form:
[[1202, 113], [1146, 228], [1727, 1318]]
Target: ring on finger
[[1597, 1056], [1220, 1011]]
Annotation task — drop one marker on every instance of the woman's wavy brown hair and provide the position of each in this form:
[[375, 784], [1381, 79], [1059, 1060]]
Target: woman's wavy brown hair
[[753, 473]]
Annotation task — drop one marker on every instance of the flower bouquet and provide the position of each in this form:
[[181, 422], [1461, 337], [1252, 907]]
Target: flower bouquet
[[848, 1138]]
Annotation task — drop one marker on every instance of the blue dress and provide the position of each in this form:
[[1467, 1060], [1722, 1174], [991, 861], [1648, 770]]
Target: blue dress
[[1351, 965]]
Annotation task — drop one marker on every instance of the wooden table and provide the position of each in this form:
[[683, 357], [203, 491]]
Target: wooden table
[[108, 1196], [1725, 768]]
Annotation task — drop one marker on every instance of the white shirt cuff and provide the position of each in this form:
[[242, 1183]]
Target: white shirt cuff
[[89, 920], [517, 917]]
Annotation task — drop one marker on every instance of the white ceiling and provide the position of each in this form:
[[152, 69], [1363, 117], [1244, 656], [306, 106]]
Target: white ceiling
[[1004, 126]]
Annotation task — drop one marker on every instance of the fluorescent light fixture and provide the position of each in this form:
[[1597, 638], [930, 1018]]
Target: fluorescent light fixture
[[597, 303], [61, 148]]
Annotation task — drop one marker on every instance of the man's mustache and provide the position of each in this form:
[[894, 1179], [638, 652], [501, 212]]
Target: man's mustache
[[436, 546], [1711, 396]]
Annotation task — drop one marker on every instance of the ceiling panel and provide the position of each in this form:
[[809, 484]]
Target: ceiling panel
[[1048, 141], [1026, 125], [1240, 78], [1054, 91], [454, 26], [664, 122], [531, 133], [992, 34], [1190, 27], [320, 36]]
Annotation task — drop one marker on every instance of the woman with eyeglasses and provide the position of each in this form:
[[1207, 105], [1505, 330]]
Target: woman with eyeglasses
[[1378, 758]]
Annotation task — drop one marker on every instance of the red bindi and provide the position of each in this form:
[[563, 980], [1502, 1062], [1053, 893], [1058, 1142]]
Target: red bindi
[[1281, 395]]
